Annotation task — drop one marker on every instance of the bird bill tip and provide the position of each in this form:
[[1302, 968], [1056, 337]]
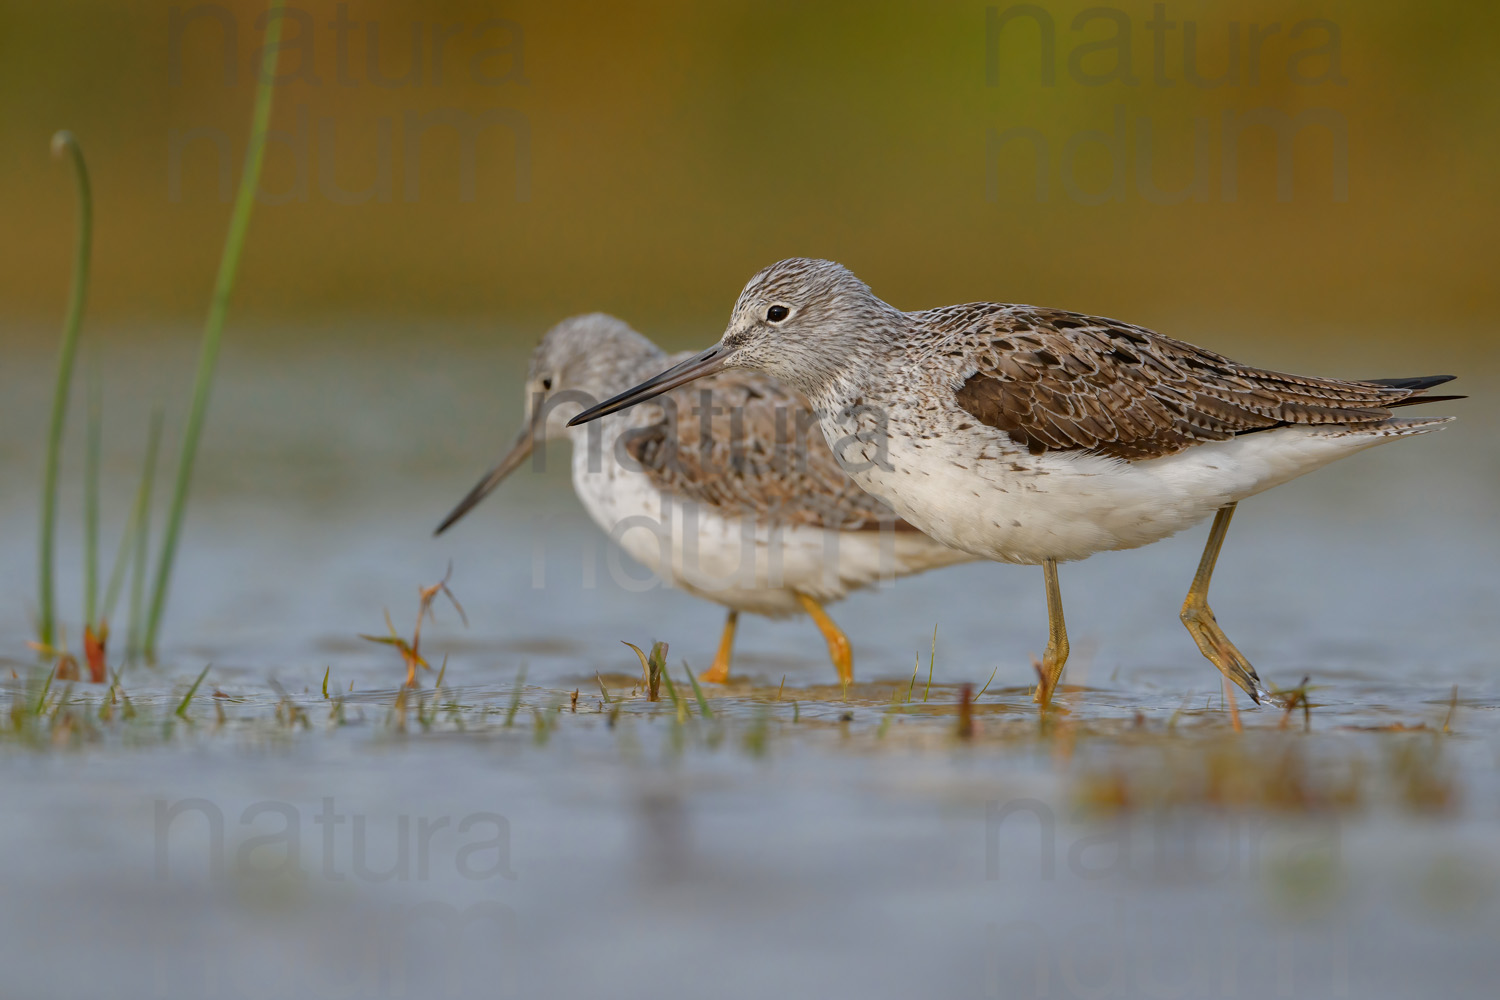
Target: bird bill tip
[[524, 443]]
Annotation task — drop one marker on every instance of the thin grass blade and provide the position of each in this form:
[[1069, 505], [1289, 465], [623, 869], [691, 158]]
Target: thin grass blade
[[187, 699], [139, 512], [63, 143], [213, 328], [95, 444], [141, 560], [698, 693]]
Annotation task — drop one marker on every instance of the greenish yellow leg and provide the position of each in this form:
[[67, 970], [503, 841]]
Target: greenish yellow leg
[[1056, 655], [839, 650], [1204, 627], [718, 672]]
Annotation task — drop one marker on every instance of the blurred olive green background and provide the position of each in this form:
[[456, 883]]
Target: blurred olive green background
[[649, 157]]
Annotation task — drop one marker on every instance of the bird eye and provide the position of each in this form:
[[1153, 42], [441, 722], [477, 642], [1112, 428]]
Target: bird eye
[[777, 313], [547, 383]]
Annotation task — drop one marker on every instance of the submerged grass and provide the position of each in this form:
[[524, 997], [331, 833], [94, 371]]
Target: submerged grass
[[698, 694], [658, 663], [187, 699], [1109, 768], [213, 328], [515, 697], [931, 662]]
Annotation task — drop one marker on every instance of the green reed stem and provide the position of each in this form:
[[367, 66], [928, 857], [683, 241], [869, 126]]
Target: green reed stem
[[63, 143], [218, 311], [134, 535], [91, 491], [142, 533]]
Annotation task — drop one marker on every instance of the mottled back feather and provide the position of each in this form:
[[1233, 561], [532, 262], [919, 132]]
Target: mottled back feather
[[1062, 381]]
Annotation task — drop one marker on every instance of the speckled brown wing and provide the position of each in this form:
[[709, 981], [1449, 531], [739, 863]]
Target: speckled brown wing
[[755, 450], [1062, 381]]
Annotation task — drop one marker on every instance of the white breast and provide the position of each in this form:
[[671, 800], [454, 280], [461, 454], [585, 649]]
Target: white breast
[[741, 563]]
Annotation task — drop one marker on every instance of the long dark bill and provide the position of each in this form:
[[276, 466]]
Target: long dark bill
[[512, 460], [698, 366]]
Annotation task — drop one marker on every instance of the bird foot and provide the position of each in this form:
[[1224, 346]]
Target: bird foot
[[1216, 647]]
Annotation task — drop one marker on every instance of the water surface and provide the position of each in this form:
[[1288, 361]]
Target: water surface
[[801, 839]]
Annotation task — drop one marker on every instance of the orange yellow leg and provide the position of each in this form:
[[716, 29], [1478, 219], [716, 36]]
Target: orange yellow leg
[[718, 673], [839, 650]]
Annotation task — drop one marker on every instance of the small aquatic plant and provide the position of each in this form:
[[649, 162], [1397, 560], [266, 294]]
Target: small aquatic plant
[[146, 617], [411, 651], [654, 669]]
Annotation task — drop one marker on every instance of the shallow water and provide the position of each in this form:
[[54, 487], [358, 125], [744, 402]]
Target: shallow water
[[800, 840]]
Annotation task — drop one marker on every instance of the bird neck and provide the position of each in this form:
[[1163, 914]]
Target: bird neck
[[862, 368]]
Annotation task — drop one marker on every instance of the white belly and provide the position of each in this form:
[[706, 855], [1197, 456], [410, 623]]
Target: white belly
[[741, 563], [972, 491]]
